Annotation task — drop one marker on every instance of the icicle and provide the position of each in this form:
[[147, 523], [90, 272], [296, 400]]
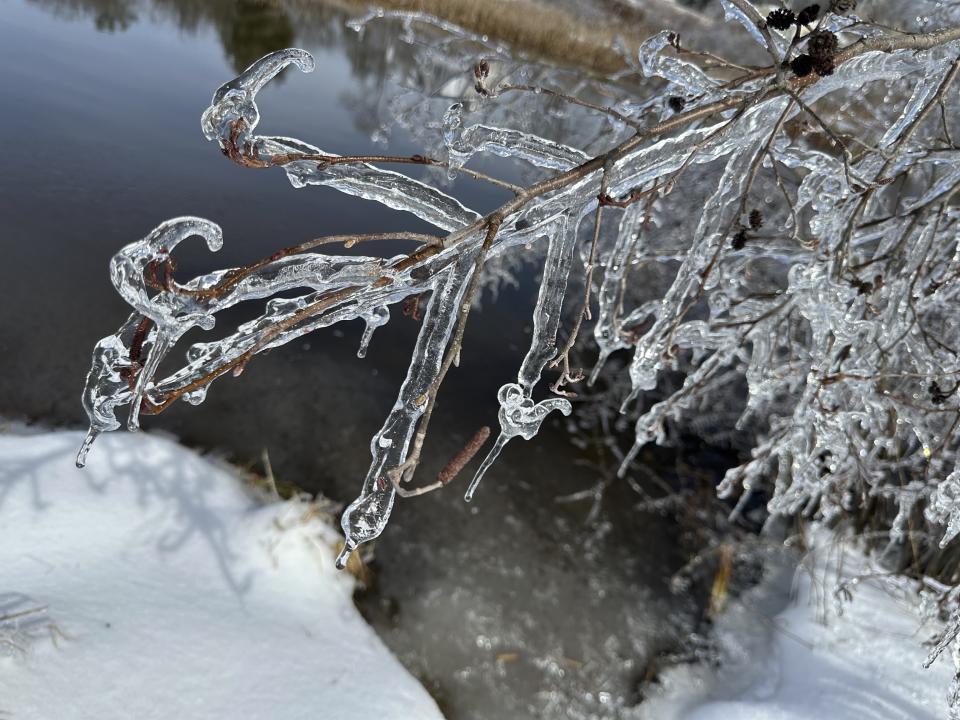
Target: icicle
[[607, 331], [452, 138], [377, 317], [169, 316], [923, 92], [649, 426], [88, 439], [519, 416], [158, 349]]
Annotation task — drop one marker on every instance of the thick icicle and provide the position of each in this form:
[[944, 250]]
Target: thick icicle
[[607, 330], [519, 415], [365, 518]]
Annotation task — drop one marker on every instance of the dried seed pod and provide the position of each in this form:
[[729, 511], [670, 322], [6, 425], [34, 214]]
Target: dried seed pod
[[937, 395], [808, 14], [802, 65], [739, 240], [824, 66], [822, 45], [460, 460], [756, 219], [781, 19], [863, 287], [481, 70]]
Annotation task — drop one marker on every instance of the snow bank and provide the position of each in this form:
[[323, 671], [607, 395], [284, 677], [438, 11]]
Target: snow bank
[[150, 585], [818, 657]]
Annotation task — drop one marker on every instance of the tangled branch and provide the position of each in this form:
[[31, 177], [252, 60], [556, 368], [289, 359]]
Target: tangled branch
[[838, 315]]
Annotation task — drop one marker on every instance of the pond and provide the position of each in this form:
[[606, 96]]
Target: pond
[[510, 607]]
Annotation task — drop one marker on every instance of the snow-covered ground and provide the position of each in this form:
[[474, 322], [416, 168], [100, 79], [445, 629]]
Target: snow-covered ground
[[814, 653], [151, 585]]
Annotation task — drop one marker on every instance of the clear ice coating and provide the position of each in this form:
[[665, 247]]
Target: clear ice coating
[[233, 115], [465, 142], [116, 376], [790, 297], [681, 74]]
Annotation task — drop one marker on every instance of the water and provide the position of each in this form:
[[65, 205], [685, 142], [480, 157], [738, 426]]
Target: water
[[101, 99]]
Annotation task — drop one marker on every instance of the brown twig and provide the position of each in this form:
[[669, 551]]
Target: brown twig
[[405, 471], [248, 155], [572, 99]]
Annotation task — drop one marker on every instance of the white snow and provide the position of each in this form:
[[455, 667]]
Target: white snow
[[154, 586], [151, 584], [807, 662]]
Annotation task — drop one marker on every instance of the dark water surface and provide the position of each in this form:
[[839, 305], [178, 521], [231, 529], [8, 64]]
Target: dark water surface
[[100, 104]]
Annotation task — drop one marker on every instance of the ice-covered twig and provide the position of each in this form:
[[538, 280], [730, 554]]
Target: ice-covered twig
[[852, 281]]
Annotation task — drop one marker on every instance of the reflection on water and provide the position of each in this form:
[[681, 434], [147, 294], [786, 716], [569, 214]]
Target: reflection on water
[[251, 30], [107, 15], [247, 29], [565, 31]]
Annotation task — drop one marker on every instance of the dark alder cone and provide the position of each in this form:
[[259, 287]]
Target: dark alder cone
[[781, 19], [842, 7], [937, 396], [808, 14], [801, 65], [676, 103], [756, 220], [739, 240], [823, 66], [821, 45]]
